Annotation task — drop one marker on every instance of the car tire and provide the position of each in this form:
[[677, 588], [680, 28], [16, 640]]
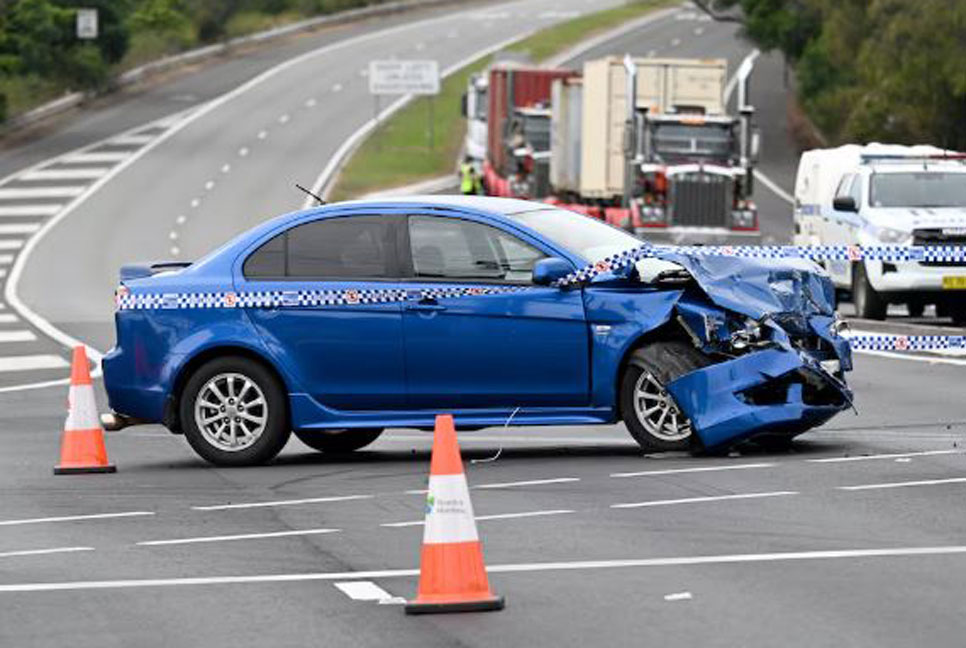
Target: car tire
[[869, 304], [252, 399], [338, 441], [648, 372]]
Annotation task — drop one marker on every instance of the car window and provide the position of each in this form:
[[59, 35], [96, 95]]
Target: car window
[[844, 185], [856, 191], [450, 248], [353, 247]]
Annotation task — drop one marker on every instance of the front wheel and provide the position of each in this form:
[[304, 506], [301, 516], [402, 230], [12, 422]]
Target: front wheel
[[233, 412], [338, 441], [869, 304], [649, 411]]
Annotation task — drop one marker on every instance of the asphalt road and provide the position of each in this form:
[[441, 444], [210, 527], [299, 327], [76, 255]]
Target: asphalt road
[[851, 538]]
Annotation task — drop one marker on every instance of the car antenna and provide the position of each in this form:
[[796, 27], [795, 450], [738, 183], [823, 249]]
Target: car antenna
[[303, 189]]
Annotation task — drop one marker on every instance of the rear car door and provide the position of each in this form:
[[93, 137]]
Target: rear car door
[[322, 312], [520, 346]]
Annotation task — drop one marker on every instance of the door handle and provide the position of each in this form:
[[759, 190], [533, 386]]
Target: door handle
[[426, 306]]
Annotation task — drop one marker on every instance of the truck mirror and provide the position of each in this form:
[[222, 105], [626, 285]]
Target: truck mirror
[[464, 105], [844, 204]]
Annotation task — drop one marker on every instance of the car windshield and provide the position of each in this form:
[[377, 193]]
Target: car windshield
[[922, 189], [582, 235], [674, 142]]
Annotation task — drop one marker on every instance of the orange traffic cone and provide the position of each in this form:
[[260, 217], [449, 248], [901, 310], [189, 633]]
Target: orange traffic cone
[[82, 446], [452, 577]]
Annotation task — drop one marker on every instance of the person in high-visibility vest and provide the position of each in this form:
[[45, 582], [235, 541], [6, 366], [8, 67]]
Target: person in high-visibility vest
[[468, 182]]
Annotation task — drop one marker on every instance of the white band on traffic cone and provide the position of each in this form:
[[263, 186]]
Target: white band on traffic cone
[[449, 513], [82, 411]]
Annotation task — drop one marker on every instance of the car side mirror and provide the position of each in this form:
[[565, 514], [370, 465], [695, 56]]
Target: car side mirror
[[546, 271], [845, 204]]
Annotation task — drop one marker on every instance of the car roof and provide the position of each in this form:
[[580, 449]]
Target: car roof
[[502, 206]]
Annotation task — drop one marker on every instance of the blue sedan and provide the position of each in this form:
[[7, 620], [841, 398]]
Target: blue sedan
[[337, 322]]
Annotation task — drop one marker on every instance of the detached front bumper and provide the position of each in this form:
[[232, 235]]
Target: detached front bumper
[[772, 391]]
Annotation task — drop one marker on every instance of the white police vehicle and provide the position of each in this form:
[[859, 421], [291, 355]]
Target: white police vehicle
[[887, 195]]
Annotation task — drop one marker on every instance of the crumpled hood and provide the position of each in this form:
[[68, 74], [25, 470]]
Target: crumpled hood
[[759, 287]]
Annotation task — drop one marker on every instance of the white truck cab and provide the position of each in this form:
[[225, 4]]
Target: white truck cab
[[475, 108], [887, 195]]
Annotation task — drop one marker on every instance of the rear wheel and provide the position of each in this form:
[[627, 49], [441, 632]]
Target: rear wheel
[[233, 412], [869, 304], [649, 411], [337, 441]]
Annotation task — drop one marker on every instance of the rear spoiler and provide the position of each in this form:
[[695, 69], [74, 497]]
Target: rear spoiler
[[141, 270]]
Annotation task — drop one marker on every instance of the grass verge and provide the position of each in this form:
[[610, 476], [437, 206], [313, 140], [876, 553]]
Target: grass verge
[[397, 153]]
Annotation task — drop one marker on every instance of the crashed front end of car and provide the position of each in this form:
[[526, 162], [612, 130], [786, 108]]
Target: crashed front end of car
[[770, 330]]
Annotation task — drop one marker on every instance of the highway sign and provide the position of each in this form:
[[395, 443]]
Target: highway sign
[[87, 23], [403, 77]]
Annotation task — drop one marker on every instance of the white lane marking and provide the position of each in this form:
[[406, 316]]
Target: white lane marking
[[24, 193], [924, 482], [243, 151], [243, 536], [225, 168], [771, 184], [903, 460], [698, 31], [294, 502], [262, 134], [19, 228], [175, 251], [320, 186], [43, 552], [678, 596], [8, 318], [3, 272], [17, 336], [134, 139], [699, 469], [92, 173], [337, 87], [701, 500], [363, 591], [483, 518], [577, 565], [75, 518], [30, 362], [194, 203], [733, 81], [675, 42], [173, 235], [311, 103], [10, 244], [95, 156], [895, 455], [209, 185], [30, 210], [180, 220], [283, 119], [531, 482]]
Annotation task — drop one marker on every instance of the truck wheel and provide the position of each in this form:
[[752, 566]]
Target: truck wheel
[[650, 413], [233, 412], [868, 303], [336, 441]]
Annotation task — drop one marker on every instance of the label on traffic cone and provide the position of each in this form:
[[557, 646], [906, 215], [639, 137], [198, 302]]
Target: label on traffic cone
[[452, 575], [82, 446]]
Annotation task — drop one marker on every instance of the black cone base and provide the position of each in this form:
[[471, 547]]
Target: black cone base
[[483, 605]]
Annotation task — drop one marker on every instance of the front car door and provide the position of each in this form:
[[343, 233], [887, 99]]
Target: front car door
[[502, 342], [322, 315]]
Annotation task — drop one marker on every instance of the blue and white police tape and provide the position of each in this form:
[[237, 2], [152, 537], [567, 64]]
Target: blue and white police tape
[[883, 342], [891, 253]]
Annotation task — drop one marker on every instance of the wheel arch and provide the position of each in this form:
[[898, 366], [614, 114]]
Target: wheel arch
[[667, 332], [171, 411]]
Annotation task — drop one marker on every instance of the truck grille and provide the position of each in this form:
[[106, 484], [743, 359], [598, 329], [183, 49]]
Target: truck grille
[[701, 200], [935, 236]]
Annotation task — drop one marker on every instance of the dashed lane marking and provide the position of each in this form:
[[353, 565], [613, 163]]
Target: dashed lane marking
[[924, 482], [26, 193], [363, 591], [483, 518], [531, 482], [17, 336], [700, 500], [89, 173], [243, 536], [897, 455], [43, 552], [293, 502], [577, 565], [37, 211], [700, 469], [76, 518], [30, 363]]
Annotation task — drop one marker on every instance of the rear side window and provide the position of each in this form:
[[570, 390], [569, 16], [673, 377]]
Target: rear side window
[[449, 248], [356, 247]]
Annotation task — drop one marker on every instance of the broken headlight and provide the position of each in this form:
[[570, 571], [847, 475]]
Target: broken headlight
[[748, 335]]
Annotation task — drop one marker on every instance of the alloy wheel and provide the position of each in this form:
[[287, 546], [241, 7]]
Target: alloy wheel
[[657, 411], [231, 411]]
